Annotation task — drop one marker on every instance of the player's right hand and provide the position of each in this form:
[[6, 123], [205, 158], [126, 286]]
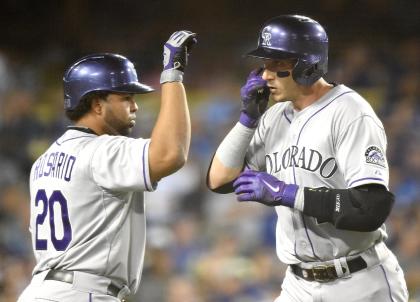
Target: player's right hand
[[177, 49], [264, 188], [254, 97]]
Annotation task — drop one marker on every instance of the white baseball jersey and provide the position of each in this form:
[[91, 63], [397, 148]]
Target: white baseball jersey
[[337, 142], [87, 208]]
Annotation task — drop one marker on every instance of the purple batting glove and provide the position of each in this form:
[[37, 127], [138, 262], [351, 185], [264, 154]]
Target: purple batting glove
[[177, 48], [254, 96], [264, 188]]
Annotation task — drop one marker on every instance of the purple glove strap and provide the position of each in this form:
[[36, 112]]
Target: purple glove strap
[[289, 195], [247, 121], [172, 51]]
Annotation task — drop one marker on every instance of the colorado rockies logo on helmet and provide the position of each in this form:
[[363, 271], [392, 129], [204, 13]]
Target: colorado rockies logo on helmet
[[266, 38], [374, 156]]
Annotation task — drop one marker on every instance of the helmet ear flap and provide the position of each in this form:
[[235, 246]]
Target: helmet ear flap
[[306, 74]]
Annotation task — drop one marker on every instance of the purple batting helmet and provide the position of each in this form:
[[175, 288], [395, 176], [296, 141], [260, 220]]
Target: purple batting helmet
[[100, 72], [297, 37]]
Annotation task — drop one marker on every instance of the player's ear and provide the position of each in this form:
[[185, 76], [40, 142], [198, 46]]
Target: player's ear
[[97, 105]]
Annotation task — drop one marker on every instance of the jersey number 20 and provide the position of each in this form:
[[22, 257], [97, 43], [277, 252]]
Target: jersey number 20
[[48, 207]]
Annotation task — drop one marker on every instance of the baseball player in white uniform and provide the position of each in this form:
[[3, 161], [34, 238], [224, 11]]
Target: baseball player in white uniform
[[318, 156], [87, 209]]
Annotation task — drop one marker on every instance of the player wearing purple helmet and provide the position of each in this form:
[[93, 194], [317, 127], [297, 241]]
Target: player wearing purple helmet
[[87, 208], [318, 157]]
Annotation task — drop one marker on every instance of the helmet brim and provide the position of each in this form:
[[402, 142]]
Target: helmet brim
[[135, 87], [268, 53]]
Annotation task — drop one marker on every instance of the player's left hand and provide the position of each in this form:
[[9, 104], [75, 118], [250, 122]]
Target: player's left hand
[[254, 97], [177, 49], [264, 188]]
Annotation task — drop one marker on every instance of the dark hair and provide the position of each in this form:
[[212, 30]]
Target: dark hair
[[85, 104]]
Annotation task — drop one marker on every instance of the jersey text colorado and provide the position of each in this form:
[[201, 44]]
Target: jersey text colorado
[[305, 158]]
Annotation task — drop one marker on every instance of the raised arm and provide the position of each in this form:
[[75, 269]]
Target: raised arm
[[228, 161], [171, 135]]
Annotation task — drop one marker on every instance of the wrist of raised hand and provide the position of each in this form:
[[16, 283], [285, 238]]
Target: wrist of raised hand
[[175, 55], [247, 120], [171, 75]]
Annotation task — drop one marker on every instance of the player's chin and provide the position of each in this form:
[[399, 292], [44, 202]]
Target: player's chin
[[277, 98]]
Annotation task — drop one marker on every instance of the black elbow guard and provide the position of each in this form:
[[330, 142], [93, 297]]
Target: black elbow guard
[[362, 209]]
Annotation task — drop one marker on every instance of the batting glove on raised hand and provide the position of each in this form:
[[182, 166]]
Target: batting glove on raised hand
[[175, 55], [264, 188], [254, 97]]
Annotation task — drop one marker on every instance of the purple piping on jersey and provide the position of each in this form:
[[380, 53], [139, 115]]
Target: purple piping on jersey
[[387, 283], [307, 235], [262, 121], [284, 113], [320, 111], [71, 139], [144, 167], [259, 134], [90, 297], [372, 178], [297, 142]]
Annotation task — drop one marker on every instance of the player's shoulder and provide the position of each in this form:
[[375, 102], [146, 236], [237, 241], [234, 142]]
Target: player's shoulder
[[79, 142], [350, 101], [114, 140], [110, 145], [104, 144], [351, 106]]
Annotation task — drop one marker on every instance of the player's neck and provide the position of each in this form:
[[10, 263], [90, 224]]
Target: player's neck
[[90, 122], [309, 95]]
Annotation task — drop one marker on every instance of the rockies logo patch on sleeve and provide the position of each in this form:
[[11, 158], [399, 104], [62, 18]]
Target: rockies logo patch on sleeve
[[375, 156]]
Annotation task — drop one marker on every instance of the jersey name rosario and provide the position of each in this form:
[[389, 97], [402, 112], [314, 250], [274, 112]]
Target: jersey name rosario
[[337, 142], [56, 164]]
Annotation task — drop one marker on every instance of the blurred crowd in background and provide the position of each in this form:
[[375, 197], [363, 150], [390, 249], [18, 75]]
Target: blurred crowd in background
[[201, 246]]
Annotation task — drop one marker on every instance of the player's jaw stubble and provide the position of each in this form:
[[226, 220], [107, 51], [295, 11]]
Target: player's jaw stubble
[[115, 125]]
